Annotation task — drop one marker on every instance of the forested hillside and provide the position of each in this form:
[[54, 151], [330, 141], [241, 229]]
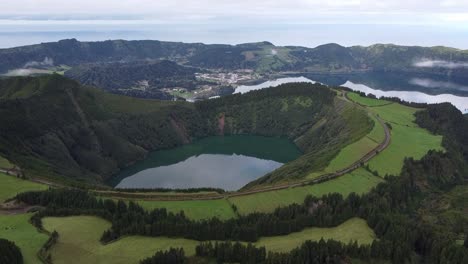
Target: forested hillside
[[72, 52], [54, 127], [261, 56], [140, 79]]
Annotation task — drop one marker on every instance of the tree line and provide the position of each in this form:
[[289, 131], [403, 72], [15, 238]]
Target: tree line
[[171, 256], [10, 253]]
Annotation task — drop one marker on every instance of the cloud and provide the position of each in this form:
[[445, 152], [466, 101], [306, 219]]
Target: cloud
[[426, 63], [429, 83], [25, 72], [47, 62], [278, 11]]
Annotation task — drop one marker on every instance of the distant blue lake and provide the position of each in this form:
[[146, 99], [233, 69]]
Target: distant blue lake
[[412, 88]]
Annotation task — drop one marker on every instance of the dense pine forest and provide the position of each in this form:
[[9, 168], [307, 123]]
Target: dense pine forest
[[10, 253]]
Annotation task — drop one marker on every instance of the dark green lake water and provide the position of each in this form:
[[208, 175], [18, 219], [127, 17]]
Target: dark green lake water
[[227, 162]]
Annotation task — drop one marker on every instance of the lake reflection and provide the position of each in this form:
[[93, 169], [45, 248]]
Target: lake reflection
[[273, 83], [229, 172], [405, 87], [459, 102], [228, 162]]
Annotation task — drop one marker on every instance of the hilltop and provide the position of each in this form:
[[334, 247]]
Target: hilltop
[[166, 70], [261, 56]]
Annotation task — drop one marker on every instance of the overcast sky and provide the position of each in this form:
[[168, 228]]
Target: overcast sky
[[414, 12], [285, 22]]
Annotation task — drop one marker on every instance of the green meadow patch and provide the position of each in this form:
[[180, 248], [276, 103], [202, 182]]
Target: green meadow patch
[[355, 229], [10, 186], [196, 210], [367, 101], [408, 139], [17, 228], [79, 240], [359, 181]]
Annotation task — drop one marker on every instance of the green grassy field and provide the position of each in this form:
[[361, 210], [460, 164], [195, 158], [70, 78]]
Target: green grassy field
[[196, 210], [359, 181], [377, 134], [5, 164], [366, 101], [16, 228], [351, 153], [10, 186], [79, 240], [406, 142], [408, 139], [353, 229]]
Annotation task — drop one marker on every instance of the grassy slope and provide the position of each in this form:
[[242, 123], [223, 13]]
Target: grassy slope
[[353, 152], [359, 181], [204, 209], [366, 101], [408, 139], [17, 228], [353, 229], [79, 240], [377, 134], [10, 186]]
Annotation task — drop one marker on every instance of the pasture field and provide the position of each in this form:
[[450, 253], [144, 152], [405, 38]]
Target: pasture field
[[359, 181], [367, 101], [11, 185], [397, 114], [203, 209], [351, 153], [17, 228], [79, 240], [355, 229], [408, 139]]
